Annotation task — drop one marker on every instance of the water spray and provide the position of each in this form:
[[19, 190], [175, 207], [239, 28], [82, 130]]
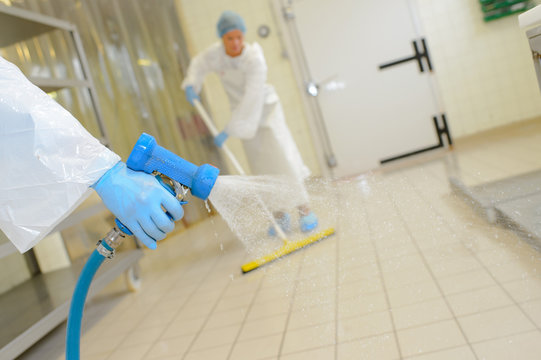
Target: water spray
[[288, 246]]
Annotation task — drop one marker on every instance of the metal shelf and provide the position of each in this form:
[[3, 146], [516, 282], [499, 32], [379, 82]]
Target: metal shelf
[[19, 25], [37, 306], [512, 202], [49, 85]]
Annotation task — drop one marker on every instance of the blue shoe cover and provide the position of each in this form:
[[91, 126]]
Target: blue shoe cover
[[308, 222], [284, 222]]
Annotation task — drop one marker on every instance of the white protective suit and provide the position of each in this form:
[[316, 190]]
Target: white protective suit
[[48, 160], [257, 115]]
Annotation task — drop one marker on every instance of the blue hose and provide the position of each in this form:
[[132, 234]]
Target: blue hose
[[73, 337]]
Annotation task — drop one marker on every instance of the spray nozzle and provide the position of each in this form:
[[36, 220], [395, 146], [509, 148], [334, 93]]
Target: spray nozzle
[[149, 157]]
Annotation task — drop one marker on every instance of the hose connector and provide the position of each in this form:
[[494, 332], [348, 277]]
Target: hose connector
[[112, 240]]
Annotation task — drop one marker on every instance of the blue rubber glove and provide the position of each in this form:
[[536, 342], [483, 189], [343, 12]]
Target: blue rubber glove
[[221, 138], [191, 95], [136, 199]]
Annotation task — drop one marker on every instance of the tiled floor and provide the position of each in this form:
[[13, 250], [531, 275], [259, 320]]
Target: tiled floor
[[411, 273]]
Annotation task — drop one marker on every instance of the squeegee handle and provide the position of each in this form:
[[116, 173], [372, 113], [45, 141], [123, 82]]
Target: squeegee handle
[[214, 132], [206, 118], [233, 160]]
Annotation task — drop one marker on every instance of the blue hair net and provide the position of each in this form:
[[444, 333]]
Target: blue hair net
[[228, 21]]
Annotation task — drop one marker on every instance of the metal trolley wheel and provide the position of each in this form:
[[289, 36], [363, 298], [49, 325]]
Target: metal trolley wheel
[[133, 277]]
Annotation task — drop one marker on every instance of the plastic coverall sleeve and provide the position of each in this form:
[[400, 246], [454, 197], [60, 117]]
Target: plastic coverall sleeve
[[201, 65], [49, 160], [246, 116]]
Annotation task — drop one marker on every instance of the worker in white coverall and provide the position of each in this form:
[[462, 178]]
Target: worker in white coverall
[[50, 163], [257, 116]]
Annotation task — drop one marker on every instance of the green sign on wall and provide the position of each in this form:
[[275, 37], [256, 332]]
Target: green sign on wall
[[495, 9]]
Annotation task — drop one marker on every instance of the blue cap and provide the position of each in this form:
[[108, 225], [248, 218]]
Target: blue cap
[[229, 21]]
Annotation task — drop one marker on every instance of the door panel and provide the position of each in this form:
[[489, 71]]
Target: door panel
[[372, 114]]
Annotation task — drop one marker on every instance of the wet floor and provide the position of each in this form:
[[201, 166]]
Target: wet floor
[[413, 272]]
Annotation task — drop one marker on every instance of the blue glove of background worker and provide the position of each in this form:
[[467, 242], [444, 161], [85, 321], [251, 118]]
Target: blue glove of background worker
[[191, 95], [221, 138], [136, 199]]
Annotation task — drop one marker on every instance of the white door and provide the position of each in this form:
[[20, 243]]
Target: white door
[[370, 114]]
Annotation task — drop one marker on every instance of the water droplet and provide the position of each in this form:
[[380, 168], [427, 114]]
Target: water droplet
[[207, 205]]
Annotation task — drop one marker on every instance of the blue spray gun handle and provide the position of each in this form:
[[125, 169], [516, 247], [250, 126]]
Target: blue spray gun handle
[[149, 157]]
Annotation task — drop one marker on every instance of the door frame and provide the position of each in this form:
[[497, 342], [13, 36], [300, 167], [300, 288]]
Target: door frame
[[292, 49]]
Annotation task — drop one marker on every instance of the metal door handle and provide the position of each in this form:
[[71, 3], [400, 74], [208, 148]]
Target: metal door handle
[[418, 56], [313, 87]]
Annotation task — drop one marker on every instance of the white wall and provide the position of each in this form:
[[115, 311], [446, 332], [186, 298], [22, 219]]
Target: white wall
[[199, 24], [484, 69]]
